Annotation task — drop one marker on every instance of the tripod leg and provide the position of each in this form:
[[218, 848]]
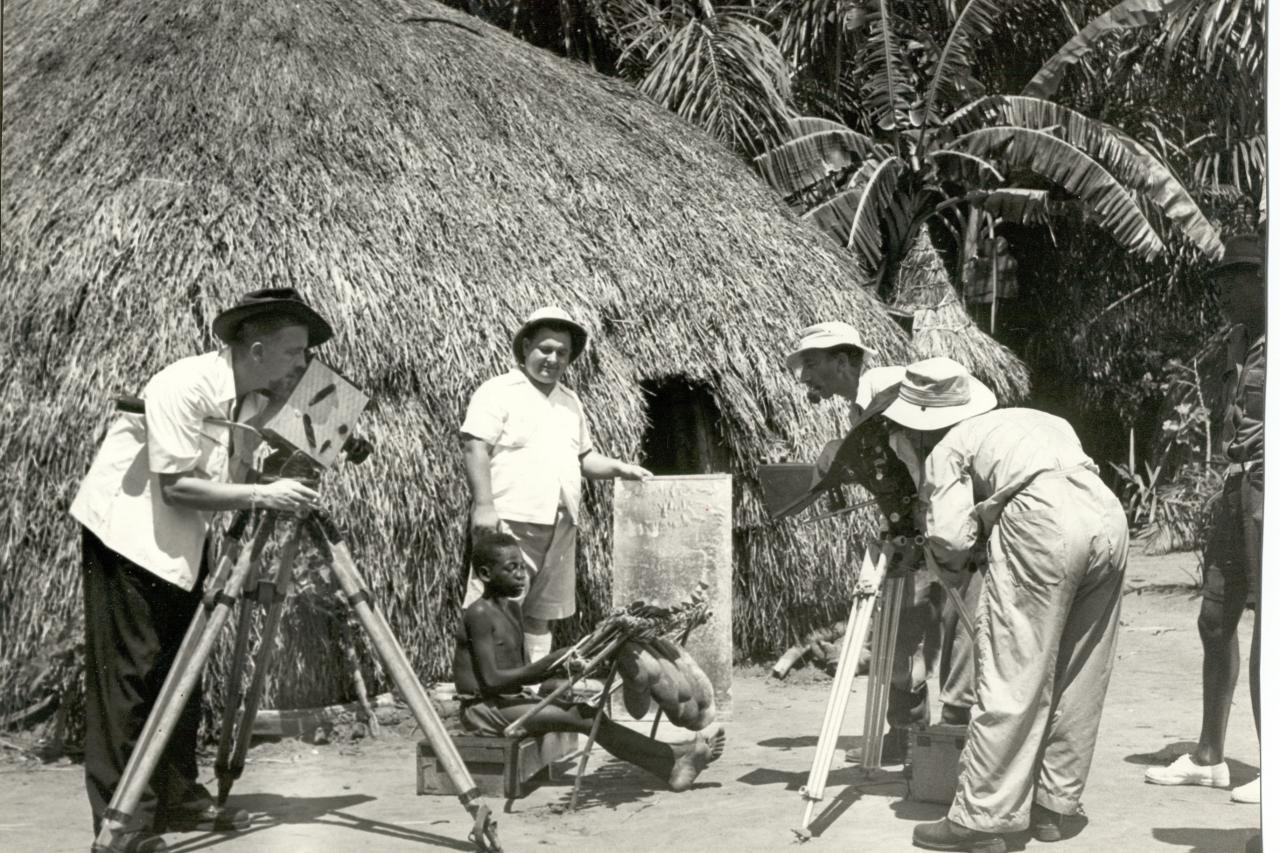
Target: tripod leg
[[591, 738], [883, 647], [838, 700], [273, 597], [484, 833], [233, 691], [186, 669]]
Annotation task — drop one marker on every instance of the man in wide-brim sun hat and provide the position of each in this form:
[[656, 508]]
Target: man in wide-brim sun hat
[[526, 448], [1015, 484]]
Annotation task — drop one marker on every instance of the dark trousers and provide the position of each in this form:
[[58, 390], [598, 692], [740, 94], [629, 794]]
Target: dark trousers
[[134, 624]]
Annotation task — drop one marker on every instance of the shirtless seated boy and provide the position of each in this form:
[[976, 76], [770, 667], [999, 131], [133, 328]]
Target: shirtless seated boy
[[490, 667]]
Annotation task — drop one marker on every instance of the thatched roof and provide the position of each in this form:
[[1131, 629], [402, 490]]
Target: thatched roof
[[425, 184], [942, 326]]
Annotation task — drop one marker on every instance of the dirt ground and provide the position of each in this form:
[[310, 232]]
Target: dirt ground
[[308, 799]]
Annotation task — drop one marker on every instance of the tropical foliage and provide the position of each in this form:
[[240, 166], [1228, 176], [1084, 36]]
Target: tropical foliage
[[937, 146]]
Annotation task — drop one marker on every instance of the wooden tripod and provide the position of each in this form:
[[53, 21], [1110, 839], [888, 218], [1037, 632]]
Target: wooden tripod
[[871, 579], [229, 583]]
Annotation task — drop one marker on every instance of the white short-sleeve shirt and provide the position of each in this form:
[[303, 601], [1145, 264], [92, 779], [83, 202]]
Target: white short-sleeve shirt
[[119, 499], [538, 442]]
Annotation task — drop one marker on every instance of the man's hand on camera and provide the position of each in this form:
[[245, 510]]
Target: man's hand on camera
[[287, 496]]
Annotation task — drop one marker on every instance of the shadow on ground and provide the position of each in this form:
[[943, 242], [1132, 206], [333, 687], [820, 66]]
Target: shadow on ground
[[1201, 840], [272, 810]]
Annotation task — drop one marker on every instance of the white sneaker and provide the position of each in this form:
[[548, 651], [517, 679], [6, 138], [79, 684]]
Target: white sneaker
[[1249, 792], [1184, 771]]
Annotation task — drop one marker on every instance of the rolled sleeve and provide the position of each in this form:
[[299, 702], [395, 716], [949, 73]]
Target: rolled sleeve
[[485, 415], [585, 444], [175, 415], [947, 494]]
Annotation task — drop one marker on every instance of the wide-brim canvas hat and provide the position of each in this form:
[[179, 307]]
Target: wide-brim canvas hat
[[937, 393], [1243, 250], [827, 335], [274, 301], [555, 318]]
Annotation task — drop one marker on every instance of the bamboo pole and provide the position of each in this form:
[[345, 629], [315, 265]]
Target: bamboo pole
[[591, 738]]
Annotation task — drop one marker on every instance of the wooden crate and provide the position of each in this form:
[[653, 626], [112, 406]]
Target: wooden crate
[[501, 766], [935, 763]]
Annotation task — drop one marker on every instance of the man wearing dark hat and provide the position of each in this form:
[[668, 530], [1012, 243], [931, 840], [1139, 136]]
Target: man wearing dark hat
[[526, 447], [1233, 554], [144, 509], [1015, 486]]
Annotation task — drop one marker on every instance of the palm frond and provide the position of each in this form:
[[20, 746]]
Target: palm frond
[[1041, 152], [886, 82], [724, 75], [818, 149], [855, 216], [1126, 159], [1127, 14], [951, 73]]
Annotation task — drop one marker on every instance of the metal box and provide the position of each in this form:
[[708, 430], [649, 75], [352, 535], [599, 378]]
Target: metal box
[[935, 762]]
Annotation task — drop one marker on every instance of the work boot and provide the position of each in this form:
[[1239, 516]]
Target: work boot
[[893, 749], [199, 812], [946, 834], [1046, 824], [203, 817]]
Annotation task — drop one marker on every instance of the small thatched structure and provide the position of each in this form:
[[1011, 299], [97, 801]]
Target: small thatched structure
[[426, 184], [942, 326]]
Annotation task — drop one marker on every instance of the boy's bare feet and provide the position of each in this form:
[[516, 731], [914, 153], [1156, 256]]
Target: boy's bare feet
[[692, 756]]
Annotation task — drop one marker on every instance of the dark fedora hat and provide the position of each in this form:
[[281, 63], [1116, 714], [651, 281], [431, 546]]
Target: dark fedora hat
[[1243, 250], [275, 301]]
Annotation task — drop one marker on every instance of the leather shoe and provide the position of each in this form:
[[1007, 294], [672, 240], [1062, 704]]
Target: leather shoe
[[1046, 824], [139, 841], [203, 816], [946, 834]]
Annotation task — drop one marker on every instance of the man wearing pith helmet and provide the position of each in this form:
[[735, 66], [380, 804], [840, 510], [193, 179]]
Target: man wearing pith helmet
[[1015, 486], [829, 360], [526, 448], [145, 509]]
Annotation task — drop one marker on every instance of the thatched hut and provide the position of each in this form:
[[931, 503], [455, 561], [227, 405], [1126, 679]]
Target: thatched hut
[[427, 183], [941, 325]]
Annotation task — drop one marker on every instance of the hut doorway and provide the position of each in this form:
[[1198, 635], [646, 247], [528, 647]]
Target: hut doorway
[[684, 434]]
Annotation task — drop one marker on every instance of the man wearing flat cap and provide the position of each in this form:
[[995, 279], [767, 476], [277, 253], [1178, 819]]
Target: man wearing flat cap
[[1015, 486], [829, 361], [526, 448], [1233, 554], [144, 509]]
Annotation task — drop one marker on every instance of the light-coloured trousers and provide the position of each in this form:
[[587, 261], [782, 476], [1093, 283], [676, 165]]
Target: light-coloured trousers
[[1046, 636], [549, 552]]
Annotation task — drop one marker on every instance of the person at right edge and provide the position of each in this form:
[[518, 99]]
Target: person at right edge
[[1233, 554]]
